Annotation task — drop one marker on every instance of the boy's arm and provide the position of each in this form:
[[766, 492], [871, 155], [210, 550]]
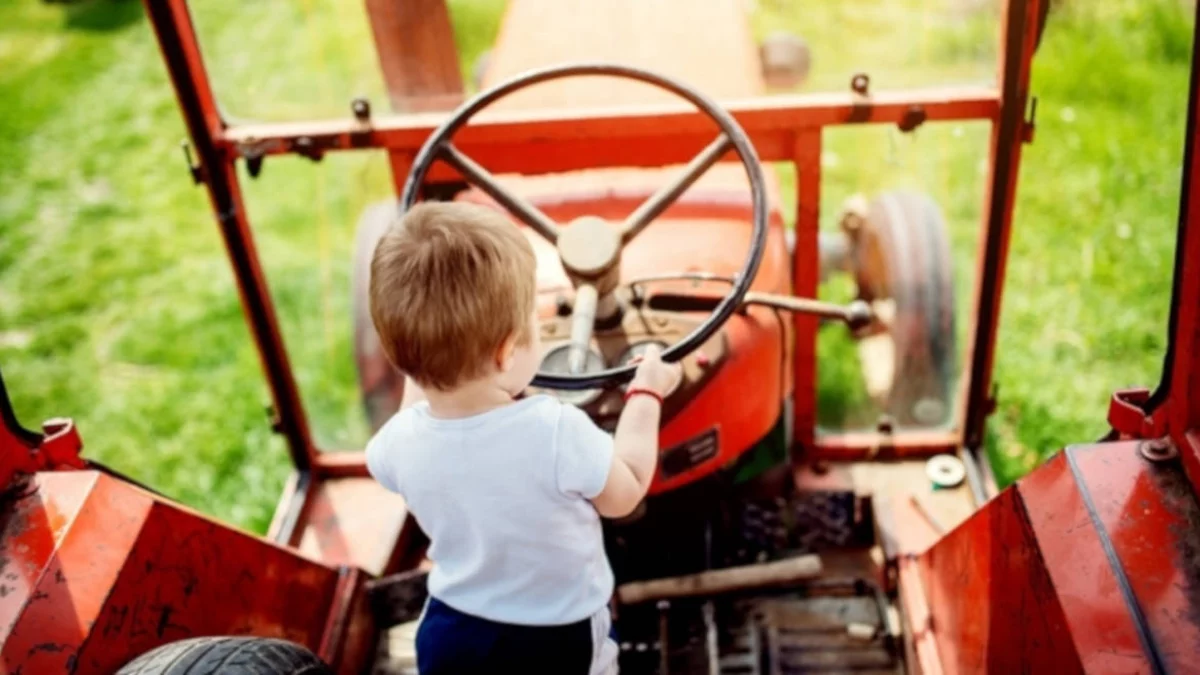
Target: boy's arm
[[635, 456], [377, 461], [635, 449]]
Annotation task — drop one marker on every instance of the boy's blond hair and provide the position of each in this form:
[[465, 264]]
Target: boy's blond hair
[[449, 283]]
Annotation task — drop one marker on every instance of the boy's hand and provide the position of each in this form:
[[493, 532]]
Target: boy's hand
[[654, 374]]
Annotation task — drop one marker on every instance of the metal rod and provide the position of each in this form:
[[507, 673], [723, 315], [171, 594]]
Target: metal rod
[[664, 633], [1176, 400], [806, 273], [763, 119], [725, 580], [923, 509], [976, 478], [293, 510], [583, 319], [484, 180], [710, 639], [1006, 156], [667, 194], [856, 313]]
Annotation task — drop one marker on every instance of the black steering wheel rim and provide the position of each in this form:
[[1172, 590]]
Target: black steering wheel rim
[[428, 154]]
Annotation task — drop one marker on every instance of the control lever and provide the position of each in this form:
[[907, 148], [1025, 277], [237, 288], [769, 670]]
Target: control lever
[[855, 315]]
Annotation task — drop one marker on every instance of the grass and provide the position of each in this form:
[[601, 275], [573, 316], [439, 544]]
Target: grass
[[117, 305]]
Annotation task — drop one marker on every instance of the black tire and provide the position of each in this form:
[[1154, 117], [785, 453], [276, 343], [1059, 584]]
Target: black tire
[[232, 655], [381, 385], [912, 245]]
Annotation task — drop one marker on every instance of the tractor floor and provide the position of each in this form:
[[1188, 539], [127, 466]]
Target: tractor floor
[[839, 627], [839, 623]]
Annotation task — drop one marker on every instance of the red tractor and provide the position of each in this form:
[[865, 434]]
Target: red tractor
[[770, 543]]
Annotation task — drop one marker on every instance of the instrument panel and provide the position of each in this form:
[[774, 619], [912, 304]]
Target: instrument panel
[[619, 345]]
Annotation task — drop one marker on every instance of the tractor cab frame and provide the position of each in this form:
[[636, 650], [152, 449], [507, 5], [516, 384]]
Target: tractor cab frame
[[422, 75]]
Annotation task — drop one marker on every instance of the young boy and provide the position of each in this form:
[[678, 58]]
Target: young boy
[[510, 490]]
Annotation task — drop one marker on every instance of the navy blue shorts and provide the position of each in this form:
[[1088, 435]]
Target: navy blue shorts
[[450, 641]]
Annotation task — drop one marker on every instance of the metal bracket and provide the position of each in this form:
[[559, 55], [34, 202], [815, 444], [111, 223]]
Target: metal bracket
[[1030, 125], [1127, 415], [196, 171], [254, 165], [273, 418], [914, 117], [61, 444], [860, 86]]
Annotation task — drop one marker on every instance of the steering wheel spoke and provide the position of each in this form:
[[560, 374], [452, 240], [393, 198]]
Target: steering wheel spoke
[[483, 179], [666, 195]]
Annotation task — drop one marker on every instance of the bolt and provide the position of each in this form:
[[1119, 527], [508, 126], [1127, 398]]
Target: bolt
[[361, 108], [1158, 450], [562, 306], [854, 214], [914, 117], [859, 315], [860, 83], [306, 147]]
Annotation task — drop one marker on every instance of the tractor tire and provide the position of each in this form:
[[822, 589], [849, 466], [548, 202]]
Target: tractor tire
[[904, 258], [381, 385], [227, 655]]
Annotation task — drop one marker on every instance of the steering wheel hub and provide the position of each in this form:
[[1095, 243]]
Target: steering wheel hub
[[590, 248]]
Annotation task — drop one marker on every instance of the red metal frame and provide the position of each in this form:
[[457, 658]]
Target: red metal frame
[[96, 571], [1175, 407], [1096, 550], [1020, 30], [1178, 398], [1022, 23], [785, 128], [1172, 413]]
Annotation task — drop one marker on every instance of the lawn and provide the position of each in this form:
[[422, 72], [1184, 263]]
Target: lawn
[[117, 305]]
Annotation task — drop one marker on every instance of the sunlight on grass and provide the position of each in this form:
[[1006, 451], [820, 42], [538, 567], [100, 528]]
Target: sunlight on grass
[[117, 305]]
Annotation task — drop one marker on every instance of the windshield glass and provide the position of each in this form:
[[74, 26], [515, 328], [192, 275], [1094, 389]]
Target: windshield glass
[[901, 215], [330, 58], [730, 50], [914, 199]]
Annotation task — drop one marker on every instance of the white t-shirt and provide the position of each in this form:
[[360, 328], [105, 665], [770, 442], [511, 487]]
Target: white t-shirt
[[504, 497]]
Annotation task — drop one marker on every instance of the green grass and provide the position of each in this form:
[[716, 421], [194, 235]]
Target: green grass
[[117, 305]]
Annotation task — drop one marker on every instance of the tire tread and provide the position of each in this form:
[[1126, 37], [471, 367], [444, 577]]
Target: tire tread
[[213, 655]]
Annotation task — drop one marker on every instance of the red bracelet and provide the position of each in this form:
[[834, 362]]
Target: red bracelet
[[634, 391]]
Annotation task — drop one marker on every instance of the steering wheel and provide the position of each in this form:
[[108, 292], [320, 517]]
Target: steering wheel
[[590, 249]]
